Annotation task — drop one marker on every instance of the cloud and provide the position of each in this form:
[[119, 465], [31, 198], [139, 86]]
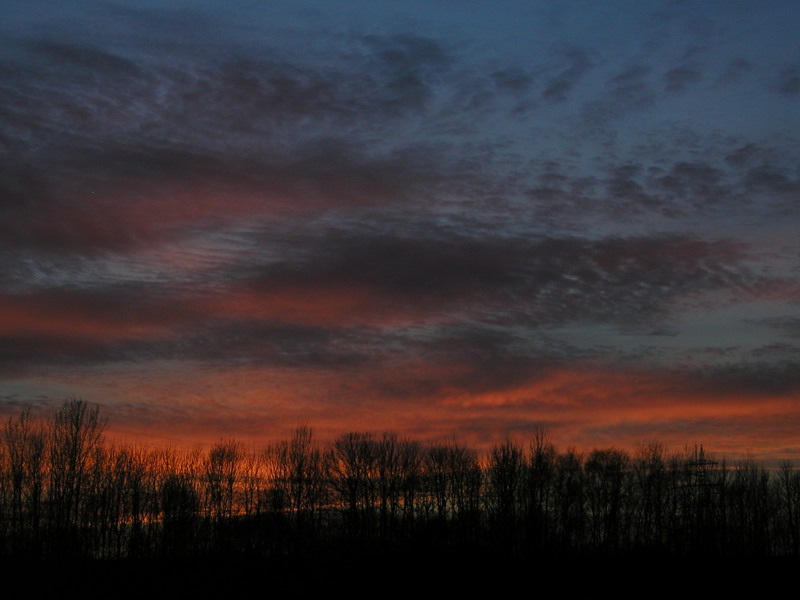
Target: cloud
[[491, 304], [105, 137], [554, 279], [694, 188], [627, 91], [76, 61], [713, 180], [345, 295], [69, 90], [84, 327], [788, 326], [788, 81], [579, 63], [754, 377], [680, 78], [735, 70], [409, 66], [94, 200], [512, 80], [770, 179], [744, 155]]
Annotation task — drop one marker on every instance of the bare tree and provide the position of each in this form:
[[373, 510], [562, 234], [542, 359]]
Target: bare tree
[[569, 491], [750, 509], [76, 433], [221, 477], [352, 467], [504, 479], [410, 463], [650, 490], [787, 494], [539, 499], [465, 489], [390, 481], [25, 452], [437, 475], [606, 477], [297, 470], [64, 492], [179, 500], [124, 497]]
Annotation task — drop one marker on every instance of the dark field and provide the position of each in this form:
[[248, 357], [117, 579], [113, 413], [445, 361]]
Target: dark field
[[409, 577]]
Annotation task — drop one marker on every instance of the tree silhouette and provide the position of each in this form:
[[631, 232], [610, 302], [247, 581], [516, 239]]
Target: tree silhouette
[[606, 473], [298, 477], [505, 483], [75, 435], [351, 465], [787, 498], [25, 449], [649, 497], [539, 499], [65, 493], [221, 478]]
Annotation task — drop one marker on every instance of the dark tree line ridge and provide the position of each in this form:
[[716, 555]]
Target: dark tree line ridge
[[65, 492]]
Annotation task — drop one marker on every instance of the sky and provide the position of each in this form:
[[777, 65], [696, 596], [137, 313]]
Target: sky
[[450, 220]]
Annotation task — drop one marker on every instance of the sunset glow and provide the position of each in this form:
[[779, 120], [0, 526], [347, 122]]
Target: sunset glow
[[222, 221]]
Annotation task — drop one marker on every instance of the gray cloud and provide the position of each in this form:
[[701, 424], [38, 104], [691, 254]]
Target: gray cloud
[[681, 78], [626, 92], [547, 280], [744, 155], [235, 342], [736, 70], [770, 179], [788, 326], [788, 81], [507, 287], [83, 63], [579, 63], [687, 72], [752, 377]]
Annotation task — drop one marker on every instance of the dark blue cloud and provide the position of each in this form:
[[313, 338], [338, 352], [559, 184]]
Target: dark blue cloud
[[788, 81]]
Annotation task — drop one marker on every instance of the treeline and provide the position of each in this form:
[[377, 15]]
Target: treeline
[[65, 492]]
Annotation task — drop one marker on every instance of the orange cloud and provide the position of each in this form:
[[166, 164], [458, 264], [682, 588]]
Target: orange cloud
[[25, 316], [582, 409]]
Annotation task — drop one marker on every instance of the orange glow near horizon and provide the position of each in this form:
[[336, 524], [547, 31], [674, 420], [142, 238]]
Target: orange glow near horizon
[[579, 409]]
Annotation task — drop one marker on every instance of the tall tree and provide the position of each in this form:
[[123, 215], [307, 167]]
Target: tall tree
[[541, 469], [649, 502], [75, 435], [505, 472], [352, 468], [179, 500], [787, 495], [221, 478], [297, 470], [25, 447], [606, 471]]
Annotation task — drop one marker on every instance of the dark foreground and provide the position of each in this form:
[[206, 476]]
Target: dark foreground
[[408, 577]]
